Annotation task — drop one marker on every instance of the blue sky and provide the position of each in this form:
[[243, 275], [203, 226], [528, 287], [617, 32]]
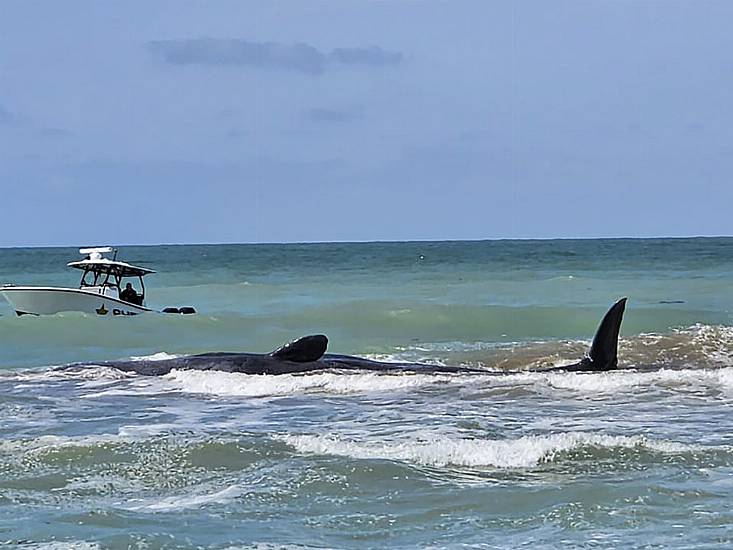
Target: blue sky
[[160, 122]]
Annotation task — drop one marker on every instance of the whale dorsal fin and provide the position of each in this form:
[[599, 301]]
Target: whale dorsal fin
[[303, 350], [603, 352]]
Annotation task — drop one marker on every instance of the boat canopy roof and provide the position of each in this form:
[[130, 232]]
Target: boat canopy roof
[[113, 267], [96, 263]]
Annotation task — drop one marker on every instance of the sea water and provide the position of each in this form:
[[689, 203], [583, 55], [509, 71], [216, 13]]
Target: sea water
[[641, 457]]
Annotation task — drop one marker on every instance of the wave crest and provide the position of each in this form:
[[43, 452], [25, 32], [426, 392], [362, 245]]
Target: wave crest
[[524, 452], [263, 385]]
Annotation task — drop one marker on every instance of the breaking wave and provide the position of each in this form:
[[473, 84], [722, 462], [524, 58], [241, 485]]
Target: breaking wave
[[620, 380], [61, 545], [524, 452], [261, 385], [245, 385]]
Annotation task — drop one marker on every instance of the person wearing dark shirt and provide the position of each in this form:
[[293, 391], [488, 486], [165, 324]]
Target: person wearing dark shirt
[[129, 294]]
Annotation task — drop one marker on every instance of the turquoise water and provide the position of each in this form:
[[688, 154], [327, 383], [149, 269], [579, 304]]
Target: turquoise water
[[641, 457]]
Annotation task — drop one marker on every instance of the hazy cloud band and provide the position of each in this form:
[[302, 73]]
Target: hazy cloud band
[[299, 57]]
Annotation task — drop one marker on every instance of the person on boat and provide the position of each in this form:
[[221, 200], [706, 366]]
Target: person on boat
[[129, 294]]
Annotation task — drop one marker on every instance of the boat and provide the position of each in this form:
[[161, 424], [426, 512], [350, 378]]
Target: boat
[[100, 290]]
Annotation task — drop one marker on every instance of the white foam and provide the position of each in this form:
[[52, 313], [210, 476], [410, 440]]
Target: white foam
[[87, 373], [612, 381], [237, 384], [159, 356], [270, 546], [523, 452], [68, 545], [619, 380], [135, 386], [458, 346], [402, 358], [48, 443], [183, 502], [137, 391], [724, 377], [131, 432], [261, 385], [100, 483]]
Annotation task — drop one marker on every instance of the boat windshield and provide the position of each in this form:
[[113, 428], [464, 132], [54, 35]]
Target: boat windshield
[[116, 285]]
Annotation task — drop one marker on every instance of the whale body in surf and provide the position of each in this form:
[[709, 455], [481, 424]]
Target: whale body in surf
[[308, 354]]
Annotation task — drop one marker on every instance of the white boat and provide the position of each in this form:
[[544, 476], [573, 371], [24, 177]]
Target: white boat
[[100, 290]]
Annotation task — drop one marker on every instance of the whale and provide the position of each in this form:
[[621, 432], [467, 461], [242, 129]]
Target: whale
[[308, 354]]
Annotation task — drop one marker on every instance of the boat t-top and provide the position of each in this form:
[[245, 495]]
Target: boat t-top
[[100, 291]]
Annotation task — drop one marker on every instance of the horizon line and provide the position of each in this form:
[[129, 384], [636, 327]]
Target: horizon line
[[376, 241]]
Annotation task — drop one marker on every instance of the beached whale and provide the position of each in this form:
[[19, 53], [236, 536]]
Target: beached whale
[[309, 354]]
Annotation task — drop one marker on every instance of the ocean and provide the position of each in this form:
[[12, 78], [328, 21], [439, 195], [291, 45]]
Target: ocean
[[641, 457]]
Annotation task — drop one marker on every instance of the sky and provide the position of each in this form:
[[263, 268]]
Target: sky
[[290, 121]]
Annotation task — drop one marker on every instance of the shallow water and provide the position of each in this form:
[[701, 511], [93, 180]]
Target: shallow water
[[642, 457]]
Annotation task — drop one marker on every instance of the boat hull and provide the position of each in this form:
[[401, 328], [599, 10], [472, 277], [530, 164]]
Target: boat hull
[[31, 300]]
